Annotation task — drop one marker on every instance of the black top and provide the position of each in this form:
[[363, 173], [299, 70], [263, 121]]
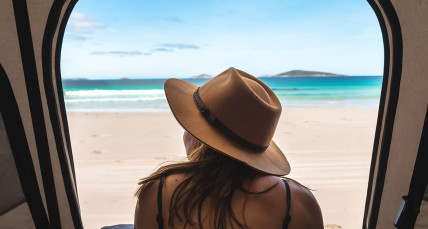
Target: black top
[[159, 217]]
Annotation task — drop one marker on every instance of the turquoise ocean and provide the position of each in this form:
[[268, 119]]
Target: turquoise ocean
[[147, 95]]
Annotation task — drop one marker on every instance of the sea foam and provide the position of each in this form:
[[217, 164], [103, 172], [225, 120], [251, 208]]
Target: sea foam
[[86, 93], [114, 99]]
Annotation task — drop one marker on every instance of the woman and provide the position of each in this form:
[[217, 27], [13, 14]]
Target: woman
[[232, 176]]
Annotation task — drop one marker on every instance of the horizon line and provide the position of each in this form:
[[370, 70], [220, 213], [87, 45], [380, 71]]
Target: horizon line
[[148, 78]]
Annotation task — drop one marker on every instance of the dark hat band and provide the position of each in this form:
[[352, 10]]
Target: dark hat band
[[210, 117]]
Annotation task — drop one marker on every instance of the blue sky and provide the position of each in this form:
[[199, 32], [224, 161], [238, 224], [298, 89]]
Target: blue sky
[[182, 38]]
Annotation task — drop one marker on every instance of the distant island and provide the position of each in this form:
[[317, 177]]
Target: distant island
[[302, 73], [202, 76], [293, 73]]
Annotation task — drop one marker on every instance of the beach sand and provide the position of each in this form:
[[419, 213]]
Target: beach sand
[[329, 150]]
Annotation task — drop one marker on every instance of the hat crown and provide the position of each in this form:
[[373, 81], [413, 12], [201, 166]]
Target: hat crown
[[258, 89], [244, 104]]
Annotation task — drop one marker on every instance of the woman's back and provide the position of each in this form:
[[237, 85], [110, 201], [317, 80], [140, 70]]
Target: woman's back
[[231, 178], [256, 209]]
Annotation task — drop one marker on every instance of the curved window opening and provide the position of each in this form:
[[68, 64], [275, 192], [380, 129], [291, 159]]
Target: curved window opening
[[115, 58]]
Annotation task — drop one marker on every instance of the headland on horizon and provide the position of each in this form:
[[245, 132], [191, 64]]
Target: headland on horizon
[[292, 73]]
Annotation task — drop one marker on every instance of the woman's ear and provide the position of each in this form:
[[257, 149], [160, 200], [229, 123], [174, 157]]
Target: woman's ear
[[190, 142]]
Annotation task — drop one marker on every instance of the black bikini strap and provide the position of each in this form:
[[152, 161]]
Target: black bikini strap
[[159, 217], [287, 217]]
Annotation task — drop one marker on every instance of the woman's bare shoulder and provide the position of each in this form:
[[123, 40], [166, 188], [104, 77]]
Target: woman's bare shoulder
[[146, 208], [305, 211], [175, 178], [261, 183], [145, 214]]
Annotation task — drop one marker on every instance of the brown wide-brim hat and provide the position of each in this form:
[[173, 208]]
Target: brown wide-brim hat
[[235, 114]]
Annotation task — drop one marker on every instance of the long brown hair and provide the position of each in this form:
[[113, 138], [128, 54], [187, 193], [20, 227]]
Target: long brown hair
[[209, 174]]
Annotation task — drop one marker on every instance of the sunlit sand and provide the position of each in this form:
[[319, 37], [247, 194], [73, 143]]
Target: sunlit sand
[[329, 150]]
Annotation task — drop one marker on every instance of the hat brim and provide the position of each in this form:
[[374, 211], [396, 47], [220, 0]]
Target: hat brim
[[179, 94]]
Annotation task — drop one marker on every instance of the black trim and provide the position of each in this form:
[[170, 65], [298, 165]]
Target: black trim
[[58, 48], [21, 152], [36, 109], [388, 126], [51, 26], [418, 184], [385, 80]]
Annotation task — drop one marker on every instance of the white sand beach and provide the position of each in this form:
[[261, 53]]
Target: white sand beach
[[329, 150]]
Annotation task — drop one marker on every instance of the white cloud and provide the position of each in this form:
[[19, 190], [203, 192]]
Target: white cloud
[[162, 50], [179, 46], [77, 37], [120, 52], [80, 23]]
